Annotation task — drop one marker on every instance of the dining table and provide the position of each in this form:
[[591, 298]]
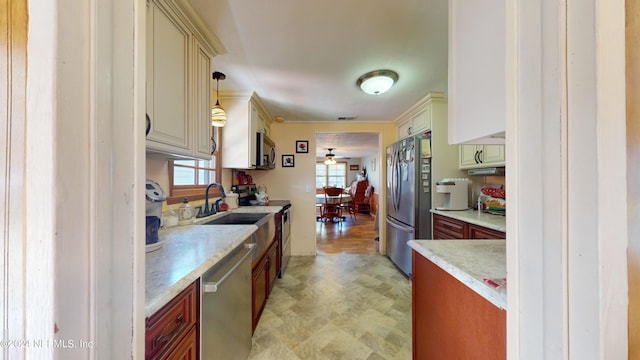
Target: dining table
[[320, 198]]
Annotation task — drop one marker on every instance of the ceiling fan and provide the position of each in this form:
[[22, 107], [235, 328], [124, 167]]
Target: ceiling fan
[[330, 158]]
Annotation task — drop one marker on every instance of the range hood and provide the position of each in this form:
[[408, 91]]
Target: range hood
[[490, 171]]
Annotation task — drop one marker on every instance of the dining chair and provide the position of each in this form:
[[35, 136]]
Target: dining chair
[[350, 205], [332, 207]]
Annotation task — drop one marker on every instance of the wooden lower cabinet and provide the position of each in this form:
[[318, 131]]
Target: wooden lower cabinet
[[172, 331], [264, 275], [187, 349], [481, 232], [446, 228], [451, 321]]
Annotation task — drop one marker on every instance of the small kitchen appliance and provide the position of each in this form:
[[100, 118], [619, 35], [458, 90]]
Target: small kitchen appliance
[[456, 194], [155, 196]]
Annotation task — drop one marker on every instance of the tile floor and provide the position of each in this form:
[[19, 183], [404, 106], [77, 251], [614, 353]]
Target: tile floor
[[341, 306]]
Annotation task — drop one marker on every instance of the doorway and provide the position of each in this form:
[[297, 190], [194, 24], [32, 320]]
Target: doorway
[[356, 156]]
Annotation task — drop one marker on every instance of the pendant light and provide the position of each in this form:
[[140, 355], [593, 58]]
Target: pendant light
[[330, 160], [218, 115]]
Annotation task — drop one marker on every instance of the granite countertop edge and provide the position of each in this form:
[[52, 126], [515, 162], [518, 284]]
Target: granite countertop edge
[[474, 281], [189, 251], [491, 221]]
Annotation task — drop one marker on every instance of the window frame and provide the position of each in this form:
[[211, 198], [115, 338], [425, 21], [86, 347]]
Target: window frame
[[346, 171], [177, 193]]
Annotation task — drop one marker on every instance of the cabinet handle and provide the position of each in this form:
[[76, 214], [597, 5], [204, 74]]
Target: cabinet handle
[[214, 145], [476, 157], [162, 337], [480, 156], [148, 125], [409, 130]]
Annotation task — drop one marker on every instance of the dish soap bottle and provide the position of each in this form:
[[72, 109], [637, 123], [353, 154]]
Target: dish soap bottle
[[185, 213]]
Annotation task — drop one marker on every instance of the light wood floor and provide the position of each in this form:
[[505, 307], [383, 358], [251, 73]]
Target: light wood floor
[[347, 237]]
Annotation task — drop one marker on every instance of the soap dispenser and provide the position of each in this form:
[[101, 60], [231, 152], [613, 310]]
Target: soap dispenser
[[185, 214]]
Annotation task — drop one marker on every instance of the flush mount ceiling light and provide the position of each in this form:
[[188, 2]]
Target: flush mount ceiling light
[[377, 82], [218, 115], [330, 158]]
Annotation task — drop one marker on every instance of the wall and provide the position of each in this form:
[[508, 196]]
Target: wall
[[298, 183], [633, 171]]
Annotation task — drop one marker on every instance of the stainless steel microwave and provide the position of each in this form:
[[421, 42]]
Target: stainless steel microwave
[[266, 152]]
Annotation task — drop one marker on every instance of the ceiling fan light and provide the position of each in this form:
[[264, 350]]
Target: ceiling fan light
[[377, 82], [330, 160]]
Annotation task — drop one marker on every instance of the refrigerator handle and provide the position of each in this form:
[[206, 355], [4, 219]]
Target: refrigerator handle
[[397, 183], [399, 226]]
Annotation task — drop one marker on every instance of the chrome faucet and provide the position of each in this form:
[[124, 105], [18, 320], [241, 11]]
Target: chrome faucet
[[214, 207]]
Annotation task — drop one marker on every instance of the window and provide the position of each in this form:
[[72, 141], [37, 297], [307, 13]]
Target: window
[[331, 175], [190, 178]]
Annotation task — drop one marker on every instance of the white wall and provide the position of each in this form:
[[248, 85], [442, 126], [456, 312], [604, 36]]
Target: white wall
[[292, 183]]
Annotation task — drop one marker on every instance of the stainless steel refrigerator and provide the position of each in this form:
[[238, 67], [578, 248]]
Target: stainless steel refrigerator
[[408, 197]]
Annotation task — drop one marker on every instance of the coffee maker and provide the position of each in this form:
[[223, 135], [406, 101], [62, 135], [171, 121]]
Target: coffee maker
[[456, 194], [155, 196]]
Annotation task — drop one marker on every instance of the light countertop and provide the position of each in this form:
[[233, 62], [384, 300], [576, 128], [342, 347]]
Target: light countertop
[[470, 262], [189, 251], [491, 221]]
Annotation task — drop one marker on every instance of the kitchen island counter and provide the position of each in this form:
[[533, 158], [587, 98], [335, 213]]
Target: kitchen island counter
[[470, 262]]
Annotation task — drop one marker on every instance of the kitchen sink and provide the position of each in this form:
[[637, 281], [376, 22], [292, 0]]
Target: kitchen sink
[[238, 219], [262, 237]]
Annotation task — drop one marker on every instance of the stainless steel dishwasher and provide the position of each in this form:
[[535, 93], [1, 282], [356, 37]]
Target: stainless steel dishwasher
[[226, 306]]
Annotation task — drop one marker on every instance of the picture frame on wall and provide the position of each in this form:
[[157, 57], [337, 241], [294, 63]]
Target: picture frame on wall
[[288, 161], [354, 167], [302, 146]]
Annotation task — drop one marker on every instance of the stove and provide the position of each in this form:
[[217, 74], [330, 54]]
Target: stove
[[282, 203]]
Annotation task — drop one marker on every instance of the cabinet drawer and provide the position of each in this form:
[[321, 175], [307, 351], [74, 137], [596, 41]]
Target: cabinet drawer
[[171, 323], [480, 232], [187, 349], [447, 228]]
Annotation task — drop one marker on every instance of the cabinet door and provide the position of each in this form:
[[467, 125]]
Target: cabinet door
[[187, 349], [493, 155], [420, 122], [448, 228], [480, 232], [469, 156], [167, 83], [273, 265], [259, 290], [202, 102], [477, 91], [404, 129]]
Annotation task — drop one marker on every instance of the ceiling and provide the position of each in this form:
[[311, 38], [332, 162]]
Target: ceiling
[[303, 57]]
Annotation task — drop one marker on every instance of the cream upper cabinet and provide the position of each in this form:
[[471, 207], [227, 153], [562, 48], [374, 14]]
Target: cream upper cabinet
[[414, 121], [479, 156], [246, 116], [414, 124], [167, 82], [202, 98], [178, 100], [477, 89]]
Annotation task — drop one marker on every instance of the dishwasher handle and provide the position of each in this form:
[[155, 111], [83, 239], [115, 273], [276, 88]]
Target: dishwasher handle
[[212, 286]]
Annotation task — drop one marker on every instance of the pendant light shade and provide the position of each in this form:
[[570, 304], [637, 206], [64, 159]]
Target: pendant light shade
[[377, 82], [218, 115], [330, 158]]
